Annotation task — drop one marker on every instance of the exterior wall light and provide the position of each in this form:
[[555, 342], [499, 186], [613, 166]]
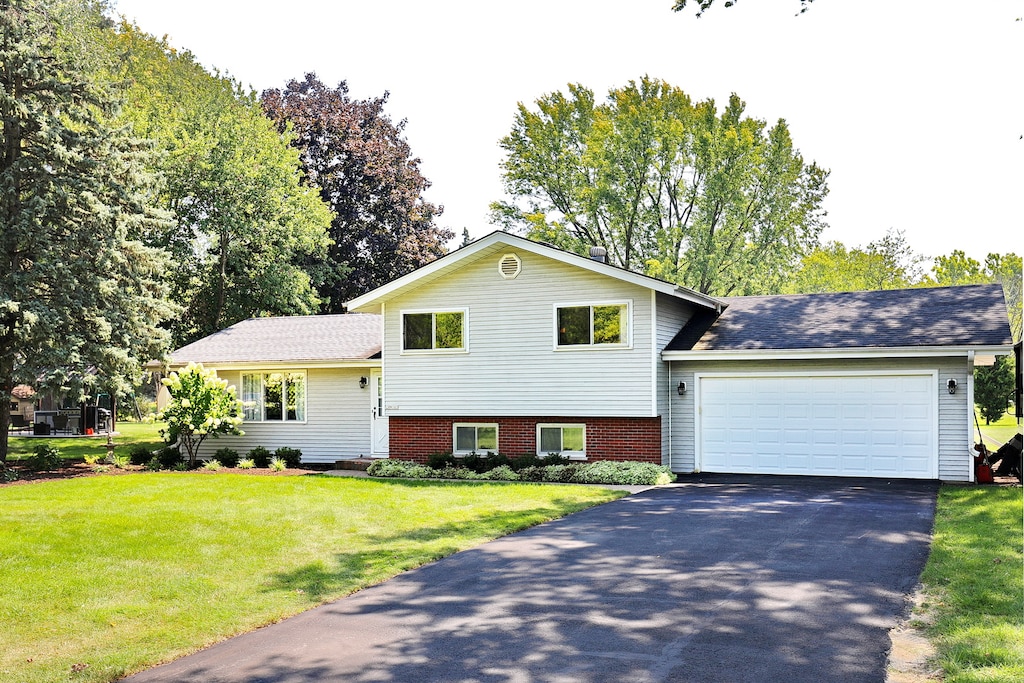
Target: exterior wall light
[[681, 389], [951, 385], [363, 382]]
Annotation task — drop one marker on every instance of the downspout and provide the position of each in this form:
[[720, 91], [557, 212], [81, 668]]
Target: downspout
[[970, 416]]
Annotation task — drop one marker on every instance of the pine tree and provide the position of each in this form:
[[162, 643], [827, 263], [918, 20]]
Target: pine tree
[[81, 295]]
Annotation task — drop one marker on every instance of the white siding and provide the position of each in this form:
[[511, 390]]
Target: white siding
[[511, 367], [671, 315], [954, 439], [337, 422]]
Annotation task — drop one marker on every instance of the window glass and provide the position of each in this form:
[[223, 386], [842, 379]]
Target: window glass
[[252, 397], [448, 333], [272, 385], [608, 324], [572, 438], [417, 333], [296, 392], [465, 438], [573, 325], [550, 439], [487, 438], [274, 396]]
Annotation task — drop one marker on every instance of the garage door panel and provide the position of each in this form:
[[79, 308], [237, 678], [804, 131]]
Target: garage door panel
[[878, 425]]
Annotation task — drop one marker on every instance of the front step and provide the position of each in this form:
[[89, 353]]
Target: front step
[[353, 464]]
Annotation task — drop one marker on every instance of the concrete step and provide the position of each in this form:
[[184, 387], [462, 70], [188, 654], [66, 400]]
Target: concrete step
[[353, 464]]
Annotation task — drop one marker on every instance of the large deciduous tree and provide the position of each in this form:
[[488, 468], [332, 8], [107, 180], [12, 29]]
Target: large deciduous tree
[[247, 226], [81, 296], [886, 263], [718, 202], [959, 269], [382, 227]]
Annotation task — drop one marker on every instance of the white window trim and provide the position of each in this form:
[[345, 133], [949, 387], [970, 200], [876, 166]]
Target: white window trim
[[455, 431], [263, 408], [628, 344], [433, 311], [572, 455]]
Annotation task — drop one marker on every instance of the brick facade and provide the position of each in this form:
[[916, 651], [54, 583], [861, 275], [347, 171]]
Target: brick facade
[[608, 438]]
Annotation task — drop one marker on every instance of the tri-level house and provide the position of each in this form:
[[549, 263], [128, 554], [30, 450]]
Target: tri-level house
[[514, 346]]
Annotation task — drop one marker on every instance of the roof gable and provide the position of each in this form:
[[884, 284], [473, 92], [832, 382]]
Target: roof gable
[[300, 338], [499, 241], [963, 316]]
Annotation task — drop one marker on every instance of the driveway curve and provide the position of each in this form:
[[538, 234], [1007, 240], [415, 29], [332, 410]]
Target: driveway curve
[[719, 578]]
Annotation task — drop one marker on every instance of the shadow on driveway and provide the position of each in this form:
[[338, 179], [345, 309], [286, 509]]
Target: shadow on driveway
[[719, 578]]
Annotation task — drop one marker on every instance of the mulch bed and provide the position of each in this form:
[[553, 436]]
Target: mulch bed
[[76, 470]]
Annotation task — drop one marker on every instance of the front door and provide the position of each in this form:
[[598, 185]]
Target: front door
[[379, 416]]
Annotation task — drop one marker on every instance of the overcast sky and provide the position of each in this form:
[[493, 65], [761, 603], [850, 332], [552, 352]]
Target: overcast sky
[[916, 106]]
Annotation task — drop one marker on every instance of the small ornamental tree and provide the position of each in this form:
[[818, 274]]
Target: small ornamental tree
[[202, 405], [993, 388]]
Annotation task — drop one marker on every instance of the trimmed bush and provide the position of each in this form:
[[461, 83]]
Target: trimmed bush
[[399, 468], [260, 456], [438, 461], [598, 472], [169, 458], [139, 455], [227, 457], [44, 459], [534, 460], [292, 457]]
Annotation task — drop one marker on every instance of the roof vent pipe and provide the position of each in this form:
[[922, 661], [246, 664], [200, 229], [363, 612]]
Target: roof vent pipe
[[599, 254]]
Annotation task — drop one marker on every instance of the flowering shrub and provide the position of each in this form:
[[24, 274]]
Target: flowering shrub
[[202, 405]]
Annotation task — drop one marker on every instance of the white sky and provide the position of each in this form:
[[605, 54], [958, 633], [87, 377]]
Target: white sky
[[916, 106]]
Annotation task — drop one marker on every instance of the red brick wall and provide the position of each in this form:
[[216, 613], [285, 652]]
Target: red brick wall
[[608, 438]]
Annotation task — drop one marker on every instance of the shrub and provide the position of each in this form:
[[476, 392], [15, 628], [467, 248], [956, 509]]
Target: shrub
[[139, 455], [44, 459], [228, 457], [501, 473], [292, 457], [93, 458], [245, 464], [634, 473], [119, 461], [202, 405], [399, 468], [438, 461], [260, 457], [212, 464], [169, 458], [154, 464], [278, 464], [8, 473]]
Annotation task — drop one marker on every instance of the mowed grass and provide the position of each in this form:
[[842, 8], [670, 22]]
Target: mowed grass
[[974, 581], [997, 433], [129, 435], [105, 576]]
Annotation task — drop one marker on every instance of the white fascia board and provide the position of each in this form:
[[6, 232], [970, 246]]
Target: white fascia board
[[837, 354], [283, 364], [371, 301]]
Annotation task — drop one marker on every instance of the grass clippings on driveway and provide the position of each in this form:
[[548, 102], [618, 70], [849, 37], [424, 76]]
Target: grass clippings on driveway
[[104, 576], [974, 584]]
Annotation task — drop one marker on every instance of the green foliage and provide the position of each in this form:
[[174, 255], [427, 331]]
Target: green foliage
[[887, 263], [201, 406], [121, 462], [438, 461], [228, 457], [44, 459], [718, 202], [959, 269], [260, 457], [212, 465], [82, 296], [246, 464], [382, 227], [247, 224], [292, 457], [278, 464], [93, 458], [597, 472], [139, 455], [993, 388]]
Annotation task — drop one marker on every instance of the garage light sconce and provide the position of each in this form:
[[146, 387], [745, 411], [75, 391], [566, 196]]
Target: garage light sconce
[[681, 389], [363, 382], [951, 385]]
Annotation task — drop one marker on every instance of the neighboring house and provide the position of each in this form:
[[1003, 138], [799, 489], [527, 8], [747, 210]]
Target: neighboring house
[[23, 401], [514, 346]]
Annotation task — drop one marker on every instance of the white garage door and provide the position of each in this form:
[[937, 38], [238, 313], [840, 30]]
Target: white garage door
[[881, 425]]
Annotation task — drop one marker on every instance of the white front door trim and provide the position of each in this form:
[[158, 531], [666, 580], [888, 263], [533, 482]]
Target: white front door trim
[[378, 415]]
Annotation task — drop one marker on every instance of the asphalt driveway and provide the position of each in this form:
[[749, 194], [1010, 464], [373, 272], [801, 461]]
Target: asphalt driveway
[[718, 579]]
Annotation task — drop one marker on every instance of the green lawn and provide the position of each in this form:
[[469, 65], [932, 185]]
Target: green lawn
[[997, 433], [974, 582], [129, 434], [115, 574]]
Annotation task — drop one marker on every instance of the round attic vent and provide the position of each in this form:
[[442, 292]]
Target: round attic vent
[[509, 266]]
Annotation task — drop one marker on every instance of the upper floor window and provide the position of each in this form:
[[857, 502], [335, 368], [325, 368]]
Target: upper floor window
[[434, 331], [274, 396], [592, 325]]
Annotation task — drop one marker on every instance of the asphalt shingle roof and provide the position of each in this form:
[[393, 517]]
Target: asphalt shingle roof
[[353, 336], [972, 315]]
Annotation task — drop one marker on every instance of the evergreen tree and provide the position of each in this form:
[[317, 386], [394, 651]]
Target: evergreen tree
[[81, 295]]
